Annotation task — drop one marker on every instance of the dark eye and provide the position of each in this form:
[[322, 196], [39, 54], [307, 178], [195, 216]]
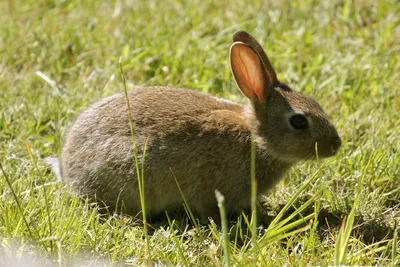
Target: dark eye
[[299, 122]]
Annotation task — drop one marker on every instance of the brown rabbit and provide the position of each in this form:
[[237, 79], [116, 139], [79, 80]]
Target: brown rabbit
[[202, 141]]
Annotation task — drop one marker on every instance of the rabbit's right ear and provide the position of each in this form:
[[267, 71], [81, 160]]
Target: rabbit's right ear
[[249, 72], [246, 38]]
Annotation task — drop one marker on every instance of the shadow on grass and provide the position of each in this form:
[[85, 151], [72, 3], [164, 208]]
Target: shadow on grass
[[368, 231]]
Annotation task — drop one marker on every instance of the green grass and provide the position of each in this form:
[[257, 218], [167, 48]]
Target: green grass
[[343, 53]]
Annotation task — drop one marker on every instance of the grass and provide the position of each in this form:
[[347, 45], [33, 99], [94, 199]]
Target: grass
[[57, 57]]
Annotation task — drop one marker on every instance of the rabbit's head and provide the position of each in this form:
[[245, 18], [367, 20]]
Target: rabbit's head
[[290, 125]]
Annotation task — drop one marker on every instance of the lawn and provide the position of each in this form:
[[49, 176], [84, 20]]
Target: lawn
[[58, 57]]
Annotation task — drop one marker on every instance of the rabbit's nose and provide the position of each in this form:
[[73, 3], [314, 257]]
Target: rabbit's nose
[[328, 147]]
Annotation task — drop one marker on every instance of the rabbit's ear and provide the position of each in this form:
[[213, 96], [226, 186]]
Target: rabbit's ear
[[249, 72], [244, 37]]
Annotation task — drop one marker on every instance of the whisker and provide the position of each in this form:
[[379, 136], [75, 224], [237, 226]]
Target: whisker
[[307, 156]]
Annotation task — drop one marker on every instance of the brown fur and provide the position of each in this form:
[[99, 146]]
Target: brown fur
[[202, 141]]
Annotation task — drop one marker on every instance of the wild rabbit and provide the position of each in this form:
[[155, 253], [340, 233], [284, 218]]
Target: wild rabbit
[[202, 141]]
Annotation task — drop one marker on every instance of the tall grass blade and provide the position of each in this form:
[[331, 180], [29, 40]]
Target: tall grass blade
[[253, 181], [138, 173]]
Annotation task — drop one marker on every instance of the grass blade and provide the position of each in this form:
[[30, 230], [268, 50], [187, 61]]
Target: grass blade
[[177, 241], [347, 224], [224, 222], [17, 202], [395, 246], [292, 200]]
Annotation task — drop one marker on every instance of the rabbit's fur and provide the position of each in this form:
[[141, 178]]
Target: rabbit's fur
[[201, 142]]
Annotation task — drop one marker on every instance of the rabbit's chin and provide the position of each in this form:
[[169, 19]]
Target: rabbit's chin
[[307, 157], [293, 159]]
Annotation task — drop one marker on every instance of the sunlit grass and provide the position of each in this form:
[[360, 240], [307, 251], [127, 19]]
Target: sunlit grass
[[57, 57]]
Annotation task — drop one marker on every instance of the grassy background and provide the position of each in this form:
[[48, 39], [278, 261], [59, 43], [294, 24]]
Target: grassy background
[[57, 57]]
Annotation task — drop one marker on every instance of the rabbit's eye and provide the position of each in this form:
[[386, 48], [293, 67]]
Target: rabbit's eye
[[299, 122]]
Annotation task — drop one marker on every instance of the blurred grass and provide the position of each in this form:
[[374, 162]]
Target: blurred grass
[[343, 53]]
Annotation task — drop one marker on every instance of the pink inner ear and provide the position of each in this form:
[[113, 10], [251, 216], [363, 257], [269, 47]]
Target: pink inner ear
[[247, 69]]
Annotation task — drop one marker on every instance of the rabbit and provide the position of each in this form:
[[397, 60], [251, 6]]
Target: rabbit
[[197, 141]]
